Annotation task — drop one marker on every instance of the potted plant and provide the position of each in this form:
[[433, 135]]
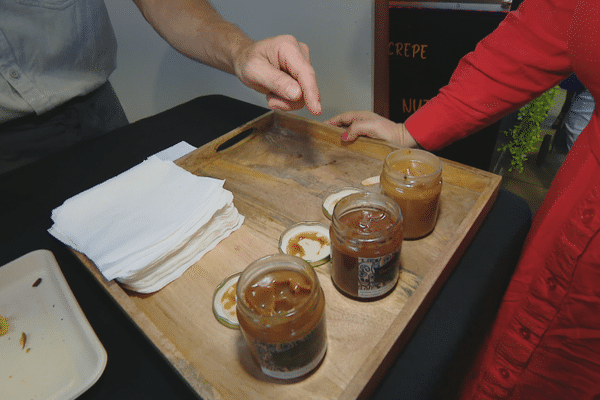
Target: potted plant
[[525, 135]]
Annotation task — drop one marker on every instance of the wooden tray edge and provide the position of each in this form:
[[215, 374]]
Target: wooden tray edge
[[396, 337], [367, 378], [165, 347]]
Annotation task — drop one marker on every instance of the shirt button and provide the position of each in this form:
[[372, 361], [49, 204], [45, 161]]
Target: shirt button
[[551, 282], [14, 74], [525, 332], [587, 216], [504, 373]]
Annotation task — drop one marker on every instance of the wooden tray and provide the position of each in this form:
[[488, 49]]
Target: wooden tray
[[279, 173]]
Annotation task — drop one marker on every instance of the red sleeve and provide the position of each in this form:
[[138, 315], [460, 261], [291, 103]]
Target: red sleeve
[[525, 56]]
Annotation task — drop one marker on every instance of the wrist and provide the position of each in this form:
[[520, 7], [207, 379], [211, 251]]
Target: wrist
[[404, 138], [239, 44], [226, 47]]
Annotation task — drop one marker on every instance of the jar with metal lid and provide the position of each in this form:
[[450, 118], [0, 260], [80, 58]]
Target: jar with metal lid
[[366, 239], [281, 312], [413, 178]]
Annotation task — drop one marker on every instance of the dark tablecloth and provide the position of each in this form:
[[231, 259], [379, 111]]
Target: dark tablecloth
[[426, 368]]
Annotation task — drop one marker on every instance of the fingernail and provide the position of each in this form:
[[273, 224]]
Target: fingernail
[[293, 92], [318, 110], [344, 136]]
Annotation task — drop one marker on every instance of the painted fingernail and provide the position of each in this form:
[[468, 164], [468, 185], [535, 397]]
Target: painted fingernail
[[344, 136]]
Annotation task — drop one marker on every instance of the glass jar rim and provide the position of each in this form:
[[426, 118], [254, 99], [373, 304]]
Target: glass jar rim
[[371, 200], [276, 262], [420, 155]]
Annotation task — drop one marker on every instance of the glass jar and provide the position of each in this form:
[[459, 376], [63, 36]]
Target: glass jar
[[366, 239], [281, 312], [413, 178]]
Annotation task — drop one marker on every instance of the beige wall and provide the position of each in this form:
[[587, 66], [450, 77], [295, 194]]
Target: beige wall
[[152, 77]]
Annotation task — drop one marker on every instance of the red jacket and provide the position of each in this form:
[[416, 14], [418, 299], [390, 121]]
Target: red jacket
[[545, 342]]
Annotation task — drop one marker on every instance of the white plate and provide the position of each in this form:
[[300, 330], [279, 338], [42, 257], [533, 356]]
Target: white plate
[[65, 356]]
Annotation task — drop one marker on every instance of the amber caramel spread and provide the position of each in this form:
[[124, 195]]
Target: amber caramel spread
[[348, 249], [418, 201], [228, 300], [367, 221], [286, 306], [298, 245], [278, 293], [413, 168]]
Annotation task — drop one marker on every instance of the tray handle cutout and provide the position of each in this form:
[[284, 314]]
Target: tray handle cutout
[[235, 139]]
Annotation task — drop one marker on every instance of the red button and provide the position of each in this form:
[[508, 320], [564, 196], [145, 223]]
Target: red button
[[587, 216], [551, 282], [504, 373], [525, 332]]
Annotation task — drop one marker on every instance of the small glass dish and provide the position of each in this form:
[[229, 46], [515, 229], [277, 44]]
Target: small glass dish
[[335, 196], [224, 302], [308, 241]]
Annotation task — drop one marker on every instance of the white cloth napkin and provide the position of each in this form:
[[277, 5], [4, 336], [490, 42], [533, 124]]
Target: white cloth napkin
[[148, 225]]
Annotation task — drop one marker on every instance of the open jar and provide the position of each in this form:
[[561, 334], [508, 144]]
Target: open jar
[[281, 312], [366, 239], [413, 178]]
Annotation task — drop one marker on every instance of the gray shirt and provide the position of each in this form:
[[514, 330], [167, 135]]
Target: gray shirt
[[52, 51]]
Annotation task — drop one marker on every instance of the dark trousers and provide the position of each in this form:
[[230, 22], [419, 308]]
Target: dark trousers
[[33, 137]]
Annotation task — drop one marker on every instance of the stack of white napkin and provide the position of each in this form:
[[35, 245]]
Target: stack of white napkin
[[148, 225]]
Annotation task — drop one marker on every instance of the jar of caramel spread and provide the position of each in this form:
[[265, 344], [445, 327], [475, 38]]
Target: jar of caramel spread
[[281, 312], [413, 178], [366, 239]]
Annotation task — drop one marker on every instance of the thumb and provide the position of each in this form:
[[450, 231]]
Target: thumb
[[283, 85]]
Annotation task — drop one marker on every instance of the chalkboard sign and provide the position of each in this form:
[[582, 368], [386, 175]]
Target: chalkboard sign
[[425, 46]]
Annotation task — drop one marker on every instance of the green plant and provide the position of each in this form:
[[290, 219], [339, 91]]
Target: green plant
[[527, 133]]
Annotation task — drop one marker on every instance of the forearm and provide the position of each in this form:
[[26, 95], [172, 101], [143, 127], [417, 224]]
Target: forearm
[[278, 67], [520, 60], [194, 28]]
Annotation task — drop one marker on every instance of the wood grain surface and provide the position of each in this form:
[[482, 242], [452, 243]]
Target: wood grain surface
[[279, 172]]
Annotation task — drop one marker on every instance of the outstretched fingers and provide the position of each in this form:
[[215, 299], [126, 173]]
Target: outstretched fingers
[[280, 67]]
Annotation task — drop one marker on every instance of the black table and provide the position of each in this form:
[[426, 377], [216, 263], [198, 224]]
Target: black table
[[428, 366]]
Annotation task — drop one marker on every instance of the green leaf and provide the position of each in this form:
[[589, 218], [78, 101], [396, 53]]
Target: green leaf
[[527, 133]]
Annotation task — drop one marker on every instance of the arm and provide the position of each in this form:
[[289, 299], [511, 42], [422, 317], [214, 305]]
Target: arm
[[525, 56], [278, 67], [366, 123]]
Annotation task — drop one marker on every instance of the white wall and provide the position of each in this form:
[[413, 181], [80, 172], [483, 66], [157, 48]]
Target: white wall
[[152, 77]]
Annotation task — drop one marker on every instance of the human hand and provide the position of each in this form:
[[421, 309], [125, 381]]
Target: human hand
[[366, 123], [280, 68]]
